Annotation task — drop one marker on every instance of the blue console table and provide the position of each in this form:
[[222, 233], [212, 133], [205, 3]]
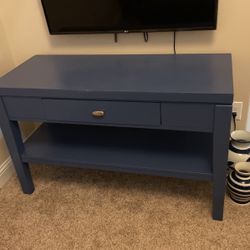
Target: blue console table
[[166, 115]]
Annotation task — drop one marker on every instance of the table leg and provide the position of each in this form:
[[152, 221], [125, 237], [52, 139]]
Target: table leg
[[222, 122], [12, 135]]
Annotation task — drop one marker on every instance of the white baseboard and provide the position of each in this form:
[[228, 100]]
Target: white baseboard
[[6, 171], [7, 168]]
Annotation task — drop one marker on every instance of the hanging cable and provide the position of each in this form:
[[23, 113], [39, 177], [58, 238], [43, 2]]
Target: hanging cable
[[116, 37], [174, 44], [145, 34], [234, 114]]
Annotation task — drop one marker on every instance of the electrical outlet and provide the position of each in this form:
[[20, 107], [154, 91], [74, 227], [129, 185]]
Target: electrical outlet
[[238, 108]]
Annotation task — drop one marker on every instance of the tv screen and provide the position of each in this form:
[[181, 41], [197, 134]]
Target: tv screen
[[99, 16]]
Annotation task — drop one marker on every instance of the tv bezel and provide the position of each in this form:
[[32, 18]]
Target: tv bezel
[[212, 27]]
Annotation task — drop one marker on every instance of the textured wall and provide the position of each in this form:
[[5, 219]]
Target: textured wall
[[27, 35], [248, 118], [6, 63]]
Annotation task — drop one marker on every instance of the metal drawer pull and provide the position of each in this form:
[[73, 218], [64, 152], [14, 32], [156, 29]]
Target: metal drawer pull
[[98, 114]]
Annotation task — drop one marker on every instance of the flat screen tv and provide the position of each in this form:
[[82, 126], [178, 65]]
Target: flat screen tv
[[101, 16]]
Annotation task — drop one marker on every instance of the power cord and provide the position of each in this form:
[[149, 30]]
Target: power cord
[[234, 114], [174, 44], [145, 34]]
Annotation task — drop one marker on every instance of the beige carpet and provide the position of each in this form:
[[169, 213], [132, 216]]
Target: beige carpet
[[79, 209]]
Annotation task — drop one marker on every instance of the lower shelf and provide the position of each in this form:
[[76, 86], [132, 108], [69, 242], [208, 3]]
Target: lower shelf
[[157, 152]]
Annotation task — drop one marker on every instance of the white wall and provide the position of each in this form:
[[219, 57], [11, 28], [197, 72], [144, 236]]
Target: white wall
[[248, 119], [27, 35], [6, 64], [24, 33]]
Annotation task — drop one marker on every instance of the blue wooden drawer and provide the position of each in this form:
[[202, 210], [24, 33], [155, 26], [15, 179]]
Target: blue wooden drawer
[[103, 112], [188, 117], [24, 108]]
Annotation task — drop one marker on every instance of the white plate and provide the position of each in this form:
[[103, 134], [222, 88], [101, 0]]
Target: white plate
[[241, 139]]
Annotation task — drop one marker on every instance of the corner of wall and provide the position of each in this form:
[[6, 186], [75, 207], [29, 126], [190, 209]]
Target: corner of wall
[[6, 57], [248, 118], [6, 171]]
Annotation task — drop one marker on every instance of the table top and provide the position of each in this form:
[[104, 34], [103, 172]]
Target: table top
[[205, 78]]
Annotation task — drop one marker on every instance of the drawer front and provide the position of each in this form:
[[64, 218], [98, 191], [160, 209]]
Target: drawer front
[[21, 108], [103, 112], [189, 117]]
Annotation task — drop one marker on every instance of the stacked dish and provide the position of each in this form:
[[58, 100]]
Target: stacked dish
[[239, 148], [238, 180], [238, 183], [240, 141]]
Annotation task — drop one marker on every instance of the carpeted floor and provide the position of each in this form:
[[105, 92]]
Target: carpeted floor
[[79, 209]]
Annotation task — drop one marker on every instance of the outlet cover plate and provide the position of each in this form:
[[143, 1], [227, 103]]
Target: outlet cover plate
[[238, 108]]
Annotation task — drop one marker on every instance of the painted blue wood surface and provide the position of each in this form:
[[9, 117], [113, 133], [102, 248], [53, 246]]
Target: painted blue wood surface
[[183, 78], [163, 92], [157, 152]]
